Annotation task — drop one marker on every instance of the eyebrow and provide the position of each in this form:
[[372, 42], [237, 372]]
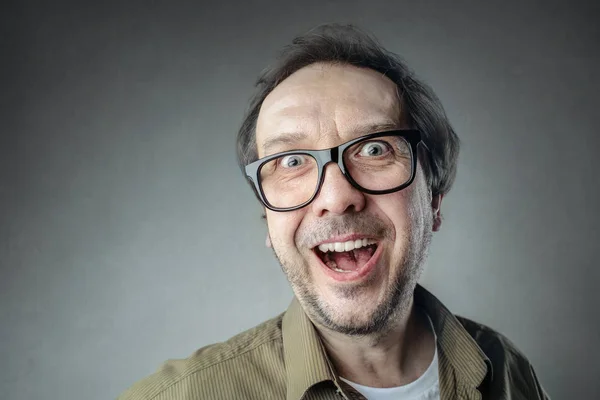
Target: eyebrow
[[291, 138], [287, 138], [379, 127]]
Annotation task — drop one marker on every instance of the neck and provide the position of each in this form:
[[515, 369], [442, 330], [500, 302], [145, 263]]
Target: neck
[[396, 357]]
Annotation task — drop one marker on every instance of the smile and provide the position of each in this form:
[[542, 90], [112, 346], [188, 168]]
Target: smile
[[348, 260]]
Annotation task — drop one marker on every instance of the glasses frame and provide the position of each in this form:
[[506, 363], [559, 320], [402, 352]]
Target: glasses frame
[[334, 155]]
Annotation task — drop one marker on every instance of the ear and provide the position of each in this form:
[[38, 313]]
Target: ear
[[436, 207]]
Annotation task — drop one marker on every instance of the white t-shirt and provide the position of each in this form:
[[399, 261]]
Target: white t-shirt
[[426, 387]]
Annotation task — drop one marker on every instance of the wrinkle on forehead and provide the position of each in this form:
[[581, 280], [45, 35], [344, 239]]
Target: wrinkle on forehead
[[329, 103]]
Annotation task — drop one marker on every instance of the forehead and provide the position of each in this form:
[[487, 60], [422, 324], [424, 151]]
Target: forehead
[[324, 104]]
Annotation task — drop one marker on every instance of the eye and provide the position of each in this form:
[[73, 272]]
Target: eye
[[373, 149], [291, 161]]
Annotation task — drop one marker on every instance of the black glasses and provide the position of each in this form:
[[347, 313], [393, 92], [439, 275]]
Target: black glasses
[[378, 163]]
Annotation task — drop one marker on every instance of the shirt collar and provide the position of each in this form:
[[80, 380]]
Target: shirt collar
[[470, 363], [307, 363]]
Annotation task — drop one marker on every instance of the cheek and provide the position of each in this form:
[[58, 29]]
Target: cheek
[[404, 212], [416, 200], [282, 227], [397, 209]]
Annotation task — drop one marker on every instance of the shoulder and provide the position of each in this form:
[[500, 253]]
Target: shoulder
[[223, 364], [511, 368], [492, 342], [499, 348]]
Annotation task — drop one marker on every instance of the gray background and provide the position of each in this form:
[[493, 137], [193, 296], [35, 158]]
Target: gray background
[[127, 235]]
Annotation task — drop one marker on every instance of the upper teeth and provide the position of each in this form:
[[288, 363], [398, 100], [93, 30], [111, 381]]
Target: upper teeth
[[346, 246]]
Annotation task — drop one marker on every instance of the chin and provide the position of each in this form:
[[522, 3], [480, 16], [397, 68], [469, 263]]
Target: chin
[[352, 318], [354, 313]]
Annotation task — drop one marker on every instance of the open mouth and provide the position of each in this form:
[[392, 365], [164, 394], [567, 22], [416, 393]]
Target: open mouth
[[346, 257]]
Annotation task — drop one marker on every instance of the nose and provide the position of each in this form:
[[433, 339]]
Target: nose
[[337, 196]]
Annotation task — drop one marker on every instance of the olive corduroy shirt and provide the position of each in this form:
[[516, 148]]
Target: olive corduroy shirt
[[284, 358]]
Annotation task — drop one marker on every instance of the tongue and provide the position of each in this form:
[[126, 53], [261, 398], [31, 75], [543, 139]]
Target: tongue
[[349, 260]]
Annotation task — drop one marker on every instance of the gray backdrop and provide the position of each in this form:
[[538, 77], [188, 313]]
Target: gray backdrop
[[127, 235]]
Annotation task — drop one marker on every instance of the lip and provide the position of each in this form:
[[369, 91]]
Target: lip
[[343, 238], [357, 275]]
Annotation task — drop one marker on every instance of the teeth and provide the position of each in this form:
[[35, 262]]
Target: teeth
[[346, 246], [340, 270], [333, 266]]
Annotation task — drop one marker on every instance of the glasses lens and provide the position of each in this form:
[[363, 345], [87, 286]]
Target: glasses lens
[[380, 163], [289, 180]]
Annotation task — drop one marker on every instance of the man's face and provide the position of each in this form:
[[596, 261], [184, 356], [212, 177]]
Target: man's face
[[323, 106]]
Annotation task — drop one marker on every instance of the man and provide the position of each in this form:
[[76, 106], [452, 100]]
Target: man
[[351, 156]]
